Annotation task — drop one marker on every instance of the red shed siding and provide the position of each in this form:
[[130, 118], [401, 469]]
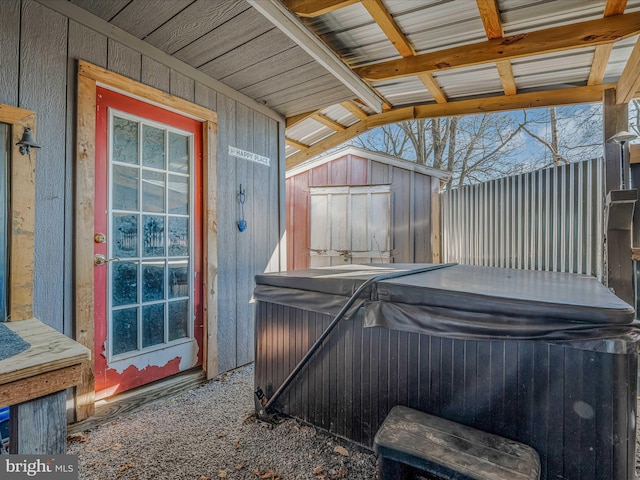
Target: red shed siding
[[410, 206]]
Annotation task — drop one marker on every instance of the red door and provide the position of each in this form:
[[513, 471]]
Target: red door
[[148, 243]]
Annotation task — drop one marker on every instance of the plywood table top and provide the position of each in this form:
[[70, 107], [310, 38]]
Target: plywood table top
[[50, 351]]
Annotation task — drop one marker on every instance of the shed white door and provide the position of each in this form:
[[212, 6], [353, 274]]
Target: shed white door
[[350, 224]]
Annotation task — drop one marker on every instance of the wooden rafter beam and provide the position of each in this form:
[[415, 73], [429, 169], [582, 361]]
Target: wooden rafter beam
[[355, 110], [385, 21], [296, 144], [390, 28], [506, 77], [492, 22], [434, 88], [565, 96], [490, 16], [599, 64], [577, 35], [328, 122], [603, 52], [614, 7], [295, 119], [315, 8], [629, 82]]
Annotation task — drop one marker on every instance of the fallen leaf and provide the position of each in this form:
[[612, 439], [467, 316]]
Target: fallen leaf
[[341, 450], [318, 470], [222, 474], [239, 467], [125, 467], [202, 477], [339, 472], [238, 444], [267, 474], [221, 435], [78, 437], [116, 447]]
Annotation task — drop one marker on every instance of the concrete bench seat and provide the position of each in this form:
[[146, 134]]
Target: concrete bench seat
[[411, 444]]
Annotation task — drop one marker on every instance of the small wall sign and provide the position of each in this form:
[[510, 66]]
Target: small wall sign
[[254, 157]]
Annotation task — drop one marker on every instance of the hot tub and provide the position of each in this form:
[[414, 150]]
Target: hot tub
[[547, 359]]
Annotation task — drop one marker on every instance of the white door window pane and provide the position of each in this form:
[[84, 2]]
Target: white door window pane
[[125, 141], [125, 235], [153, 193], [179, 158], [178, 195], [153, 147], [125, 188]]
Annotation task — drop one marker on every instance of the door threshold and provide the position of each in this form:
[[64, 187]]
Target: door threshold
[[111, 408]]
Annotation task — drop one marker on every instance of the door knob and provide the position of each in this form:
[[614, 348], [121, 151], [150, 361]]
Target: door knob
[[100, 259]]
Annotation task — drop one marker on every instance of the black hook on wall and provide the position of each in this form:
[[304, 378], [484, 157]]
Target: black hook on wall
[[242, 197]]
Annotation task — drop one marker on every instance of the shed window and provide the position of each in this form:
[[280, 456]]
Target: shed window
[[4, 206]]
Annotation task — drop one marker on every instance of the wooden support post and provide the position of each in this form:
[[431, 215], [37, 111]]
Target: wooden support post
[[29, 421], [619, 208]]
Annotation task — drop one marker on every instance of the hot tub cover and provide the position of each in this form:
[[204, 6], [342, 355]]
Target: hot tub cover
[[461, 301]]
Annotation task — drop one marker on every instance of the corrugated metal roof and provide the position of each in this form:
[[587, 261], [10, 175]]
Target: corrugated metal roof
[[233, 42], [470, 81], [560, 68], [519, 16], [404, 91]]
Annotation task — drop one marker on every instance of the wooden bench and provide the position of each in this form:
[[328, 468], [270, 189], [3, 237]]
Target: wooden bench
[[411, 444]]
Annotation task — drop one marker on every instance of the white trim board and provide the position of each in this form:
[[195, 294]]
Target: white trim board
[[105, 28], [376, 157]]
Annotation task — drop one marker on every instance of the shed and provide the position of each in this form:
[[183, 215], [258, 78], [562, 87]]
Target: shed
[[358, 206]]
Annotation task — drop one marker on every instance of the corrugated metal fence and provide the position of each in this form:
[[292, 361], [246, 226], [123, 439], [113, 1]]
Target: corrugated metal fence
[[544, 220]]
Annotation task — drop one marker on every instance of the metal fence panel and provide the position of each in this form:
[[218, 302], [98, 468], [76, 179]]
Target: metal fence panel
[[550, 220]]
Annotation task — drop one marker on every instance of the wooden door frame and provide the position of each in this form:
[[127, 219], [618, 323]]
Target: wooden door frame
[[89, 76], [22, 214]]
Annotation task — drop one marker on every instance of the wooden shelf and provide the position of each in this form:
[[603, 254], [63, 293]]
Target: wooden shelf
[[50, 365]]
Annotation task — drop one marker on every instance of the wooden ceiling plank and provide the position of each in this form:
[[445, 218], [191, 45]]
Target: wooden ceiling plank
[[328, 122], [601, 31], [490, 16], [389, 26], [492, 22], [296, 144], [603, 52], [614, 7], [434, 89], [629, 81], [565, 96], [599, 64], [506, 77], [295, 119], [315, 8], [355, 110]]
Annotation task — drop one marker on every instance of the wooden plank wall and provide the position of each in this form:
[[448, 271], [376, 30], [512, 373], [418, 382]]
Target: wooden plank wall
[[410, 206], [38, 59]]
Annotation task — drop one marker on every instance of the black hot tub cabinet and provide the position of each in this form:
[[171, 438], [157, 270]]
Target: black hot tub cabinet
[[547, 359]]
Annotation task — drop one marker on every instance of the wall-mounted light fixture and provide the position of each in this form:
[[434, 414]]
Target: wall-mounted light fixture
[[621, 138], [27, 142]]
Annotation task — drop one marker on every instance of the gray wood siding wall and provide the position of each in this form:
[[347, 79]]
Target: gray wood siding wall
[[38, 72]]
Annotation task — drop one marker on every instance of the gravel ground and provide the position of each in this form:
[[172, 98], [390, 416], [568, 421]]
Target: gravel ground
[[210, 433]]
